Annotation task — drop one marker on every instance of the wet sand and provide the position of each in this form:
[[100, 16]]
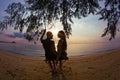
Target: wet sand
[[104, 66]]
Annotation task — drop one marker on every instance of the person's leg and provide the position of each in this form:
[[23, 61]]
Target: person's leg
[[46, 60], [50, 64], [54, 66], [60, 65]]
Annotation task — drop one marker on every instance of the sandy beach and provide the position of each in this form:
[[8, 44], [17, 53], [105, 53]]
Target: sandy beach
[[104, 66]]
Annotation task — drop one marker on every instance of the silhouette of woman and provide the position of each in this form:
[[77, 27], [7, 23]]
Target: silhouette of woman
[[50, 51], [61, 48]]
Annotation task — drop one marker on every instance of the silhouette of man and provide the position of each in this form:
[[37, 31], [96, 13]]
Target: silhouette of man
[[49, 47]]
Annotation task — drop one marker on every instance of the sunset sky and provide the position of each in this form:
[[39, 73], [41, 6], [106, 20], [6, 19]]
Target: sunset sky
[[85, 30]]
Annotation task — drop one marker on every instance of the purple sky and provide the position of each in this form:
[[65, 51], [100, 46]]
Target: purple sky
[[85, 30]]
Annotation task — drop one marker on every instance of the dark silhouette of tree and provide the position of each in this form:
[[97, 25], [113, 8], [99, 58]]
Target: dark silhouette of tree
[[111, 13], [37, 14]]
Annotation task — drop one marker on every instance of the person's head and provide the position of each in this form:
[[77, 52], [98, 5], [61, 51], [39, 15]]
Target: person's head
[[49, 35], [61, 34]]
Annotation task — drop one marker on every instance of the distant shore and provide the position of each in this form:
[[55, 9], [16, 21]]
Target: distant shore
[[7, 42], [104, 66], [32, 50]]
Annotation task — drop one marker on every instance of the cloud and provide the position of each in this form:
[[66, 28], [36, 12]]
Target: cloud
[[15, 35], [1, 33]]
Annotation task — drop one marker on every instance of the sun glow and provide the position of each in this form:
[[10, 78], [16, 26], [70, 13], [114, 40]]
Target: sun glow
[[54, 31]]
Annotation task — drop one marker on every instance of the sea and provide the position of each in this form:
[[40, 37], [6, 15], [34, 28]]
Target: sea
[[78, 49]]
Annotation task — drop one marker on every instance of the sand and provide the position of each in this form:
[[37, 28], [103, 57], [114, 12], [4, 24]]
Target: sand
[[104, 66]]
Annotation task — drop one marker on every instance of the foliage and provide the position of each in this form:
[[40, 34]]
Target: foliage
[[35, 15], [111, 13]]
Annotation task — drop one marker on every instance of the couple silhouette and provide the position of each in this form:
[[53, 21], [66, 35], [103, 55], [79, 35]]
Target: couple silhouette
[[53, 57]]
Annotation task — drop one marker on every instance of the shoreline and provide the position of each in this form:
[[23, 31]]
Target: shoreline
[[38, 51], [43, 56], [104, 66]]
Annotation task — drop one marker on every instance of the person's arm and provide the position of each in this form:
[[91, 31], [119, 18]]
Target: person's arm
[[42, 35]]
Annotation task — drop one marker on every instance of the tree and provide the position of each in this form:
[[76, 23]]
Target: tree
[[36, 14], [111, 13]]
